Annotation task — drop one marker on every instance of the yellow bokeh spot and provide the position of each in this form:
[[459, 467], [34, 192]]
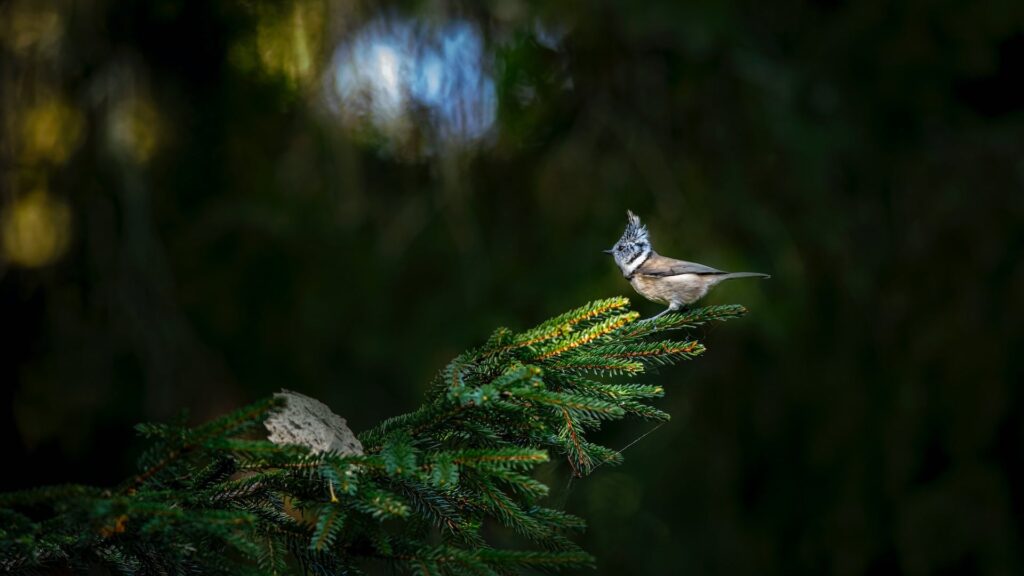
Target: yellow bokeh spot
[[51, 131], [285, 44], [35, 230], [135, 128], [31, 26]]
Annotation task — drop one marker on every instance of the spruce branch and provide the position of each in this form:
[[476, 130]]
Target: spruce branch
[[413, 492]]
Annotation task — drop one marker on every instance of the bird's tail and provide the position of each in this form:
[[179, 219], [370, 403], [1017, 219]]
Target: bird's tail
[[732, 275]]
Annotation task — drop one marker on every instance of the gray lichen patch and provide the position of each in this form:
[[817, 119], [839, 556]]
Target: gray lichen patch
[[306, 421]]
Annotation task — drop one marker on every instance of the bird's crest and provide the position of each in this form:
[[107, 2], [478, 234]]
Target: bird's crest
[[635, 232]]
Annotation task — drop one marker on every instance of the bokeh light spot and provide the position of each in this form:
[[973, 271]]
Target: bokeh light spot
[[31, 26], [35, 230], [423, 86], [134, 128], [51, 131], [286, 44]]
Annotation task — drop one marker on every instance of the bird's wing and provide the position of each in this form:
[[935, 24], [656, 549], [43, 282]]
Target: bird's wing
[[660, 266]]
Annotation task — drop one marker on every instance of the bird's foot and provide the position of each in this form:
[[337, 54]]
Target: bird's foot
[[662, 313]]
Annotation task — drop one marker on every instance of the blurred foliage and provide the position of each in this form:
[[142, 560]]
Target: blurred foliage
[[208, 222]]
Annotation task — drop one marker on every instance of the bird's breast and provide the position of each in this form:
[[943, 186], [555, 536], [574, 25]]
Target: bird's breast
[[651, 288], [679, 289]]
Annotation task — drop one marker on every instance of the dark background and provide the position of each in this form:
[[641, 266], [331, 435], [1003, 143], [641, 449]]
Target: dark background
[[194, 215]]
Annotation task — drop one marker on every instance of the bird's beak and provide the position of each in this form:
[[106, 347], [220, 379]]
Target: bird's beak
[[609, 251]]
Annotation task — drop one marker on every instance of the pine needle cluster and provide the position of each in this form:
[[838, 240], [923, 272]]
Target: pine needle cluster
[[423, 496]]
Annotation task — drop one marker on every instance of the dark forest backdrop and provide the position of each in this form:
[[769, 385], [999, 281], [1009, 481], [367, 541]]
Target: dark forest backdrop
[[203, 202]]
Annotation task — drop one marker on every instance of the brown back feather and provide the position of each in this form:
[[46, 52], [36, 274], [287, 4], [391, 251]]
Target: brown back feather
[[661, 266]]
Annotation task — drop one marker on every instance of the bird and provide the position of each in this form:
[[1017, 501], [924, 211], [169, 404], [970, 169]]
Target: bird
[[661, 279]]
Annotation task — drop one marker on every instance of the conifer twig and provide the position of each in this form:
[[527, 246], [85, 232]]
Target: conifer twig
[[414, 491]]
